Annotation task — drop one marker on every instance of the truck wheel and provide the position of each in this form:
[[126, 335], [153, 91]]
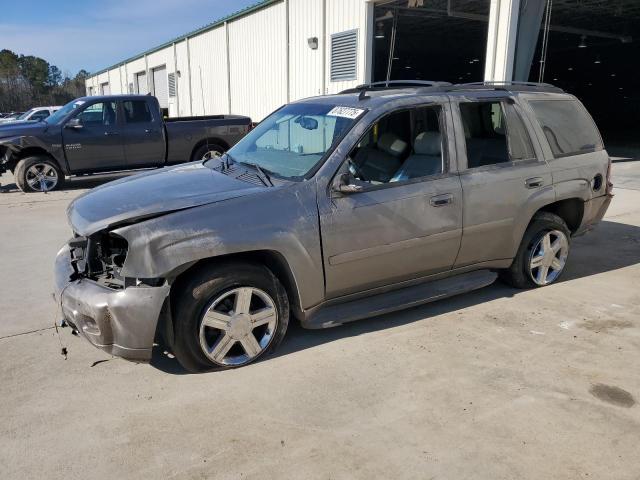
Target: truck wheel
[[207, 151], [228, 316], [38, 174], [542, 254]]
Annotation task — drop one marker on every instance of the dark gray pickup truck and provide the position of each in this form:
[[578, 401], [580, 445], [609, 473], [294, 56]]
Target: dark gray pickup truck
[[110, 133]]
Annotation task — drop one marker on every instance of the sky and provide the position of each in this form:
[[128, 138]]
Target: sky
[[92, 34]]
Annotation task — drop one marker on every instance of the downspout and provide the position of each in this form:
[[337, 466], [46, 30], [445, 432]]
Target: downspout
[[176, 77], [189, 73], [226, 36], [324, 47]]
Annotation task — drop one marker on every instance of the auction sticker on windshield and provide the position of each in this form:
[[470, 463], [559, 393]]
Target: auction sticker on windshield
[[345, 112]]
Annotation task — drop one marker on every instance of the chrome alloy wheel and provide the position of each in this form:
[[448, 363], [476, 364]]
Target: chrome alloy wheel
[[42, 177], [211, 154], [238, 326], [548, 257]]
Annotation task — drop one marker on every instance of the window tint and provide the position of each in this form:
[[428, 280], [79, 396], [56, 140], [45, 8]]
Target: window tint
[[99, 114], [494, 134], [137, 111], [567, 126], [40, 115], [399, 147], [518, 140]]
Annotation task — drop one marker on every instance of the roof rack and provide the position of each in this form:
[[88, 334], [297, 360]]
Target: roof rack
[[384, 85], [505, 85]]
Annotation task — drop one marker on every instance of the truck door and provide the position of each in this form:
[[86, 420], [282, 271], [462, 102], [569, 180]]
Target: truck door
[[405, 221], [504, 178], [94, 142], [144, 140]]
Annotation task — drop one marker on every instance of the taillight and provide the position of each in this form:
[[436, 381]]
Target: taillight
[[609, 183]]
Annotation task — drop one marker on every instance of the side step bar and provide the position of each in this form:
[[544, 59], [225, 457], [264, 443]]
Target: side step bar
[[335, 314]]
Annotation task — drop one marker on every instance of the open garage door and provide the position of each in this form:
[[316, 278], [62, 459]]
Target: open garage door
[[161, 86], [590, 48], [430, 40]]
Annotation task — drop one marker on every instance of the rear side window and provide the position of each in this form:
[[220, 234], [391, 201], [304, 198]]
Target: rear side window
[[568, 127], [137, 111], [494, 134]]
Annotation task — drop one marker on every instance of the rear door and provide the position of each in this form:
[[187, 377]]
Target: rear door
[[96, 144], [144, 141], [406, 221], [504, 176]]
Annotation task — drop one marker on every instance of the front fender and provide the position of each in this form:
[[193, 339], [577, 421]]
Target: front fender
[[283, 221]]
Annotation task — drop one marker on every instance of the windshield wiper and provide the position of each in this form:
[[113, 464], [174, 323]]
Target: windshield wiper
[[261, 171]]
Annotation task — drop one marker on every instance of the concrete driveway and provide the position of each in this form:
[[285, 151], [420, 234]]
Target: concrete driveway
[[495, 384]]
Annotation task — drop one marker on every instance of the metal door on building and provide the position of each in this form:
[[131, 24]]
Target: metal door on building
[[161, 86], [141, 83]]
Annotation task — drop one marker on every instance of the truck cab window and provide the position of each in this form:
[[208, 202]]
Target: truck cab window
[[401, 146], [137, 111], [102, 113], [494, 134]]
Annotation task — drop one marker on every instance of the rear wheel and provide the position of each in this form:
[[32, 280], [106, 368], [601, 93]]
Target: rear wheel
[[208, 151], [38, 174], [542, 255], [228, 316]]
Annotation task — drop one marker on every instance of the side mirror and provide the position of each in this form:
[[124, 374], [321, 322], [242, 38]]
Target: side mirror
[[344, 184], [74, 123]]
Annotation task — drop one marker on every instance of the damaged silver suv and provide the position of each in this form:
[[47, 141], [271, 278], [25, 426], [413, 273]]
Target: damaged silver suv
[[335, 209]]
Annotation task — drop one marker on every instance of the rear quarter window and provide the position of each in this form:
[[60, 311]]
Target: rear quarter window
[[567, 126]]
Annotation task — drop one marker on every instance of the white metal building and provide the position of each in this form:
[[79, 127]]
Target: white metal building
[[277, 51]]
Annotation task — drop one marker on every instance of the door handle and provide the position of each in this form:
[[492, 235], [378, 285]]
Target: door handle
[[110, 134], [150, 130], [441, 200], [534, 182]]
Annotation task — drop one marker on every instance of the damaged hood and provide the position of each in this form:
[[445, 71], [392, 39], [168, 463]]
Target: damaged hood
[[153, 193]]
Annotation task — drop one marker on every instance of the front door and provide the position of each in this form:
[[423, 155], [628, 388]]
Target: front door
[[405, 220], [144, 142], [504, 179], [95, 143]]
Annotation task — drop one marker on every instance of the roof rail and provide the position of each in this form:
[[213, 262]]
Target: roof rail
[[395, 84], [504, 85]]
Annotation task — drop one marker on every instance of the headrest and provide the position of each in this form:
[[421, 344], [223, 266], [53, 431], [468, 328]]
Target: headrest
[[392, 144], [428, 143]]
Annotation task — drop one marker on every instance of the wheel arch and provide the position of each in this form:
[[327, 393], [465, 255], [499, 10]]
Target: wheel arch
[[31, 152], [571, 210], [271, 259]]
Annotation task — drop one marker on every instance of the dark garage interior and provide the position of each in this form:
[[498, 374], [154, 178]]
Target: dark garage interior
[[587, 47]]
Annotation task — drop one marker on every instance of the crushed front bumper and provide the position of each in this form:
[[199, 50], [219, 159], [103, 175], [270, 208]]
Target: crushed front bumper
[[120, 322]]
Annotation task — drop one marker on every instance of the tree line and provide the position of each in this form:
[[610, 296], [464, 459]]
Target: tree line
[[27, 81]]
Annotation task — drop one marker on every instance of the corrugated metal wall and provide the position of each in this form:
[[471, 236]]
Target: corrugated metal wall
[[256, 69], [209, 72], [258, 61]]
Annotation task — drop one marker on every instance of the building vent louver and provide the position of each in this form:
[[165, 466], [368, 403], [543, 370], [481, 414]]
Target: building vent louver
[[344, 56], [172, 84]]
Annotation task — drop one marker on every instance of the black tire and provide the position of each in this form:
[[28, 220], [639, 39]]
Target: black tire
[[519, 274], [201, 152], [194, 296], [21, 173]]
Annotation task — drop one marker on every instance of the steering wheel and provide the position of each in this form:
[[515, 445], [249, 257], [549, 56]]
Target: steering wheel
[[355, 170]]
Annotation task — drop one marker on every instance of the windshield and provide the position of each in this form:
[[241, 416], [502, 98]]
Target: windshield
[[292, 140], [64, 111], [26, 114]]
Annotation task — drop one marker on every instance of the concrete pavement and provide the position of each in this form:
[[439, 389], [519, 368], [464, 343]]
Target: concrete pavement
[[495, 384]]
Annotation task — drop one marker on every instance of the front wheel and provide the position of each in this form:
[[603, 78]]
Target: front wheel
[[542, 254], [228, 316], [38, 174]]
